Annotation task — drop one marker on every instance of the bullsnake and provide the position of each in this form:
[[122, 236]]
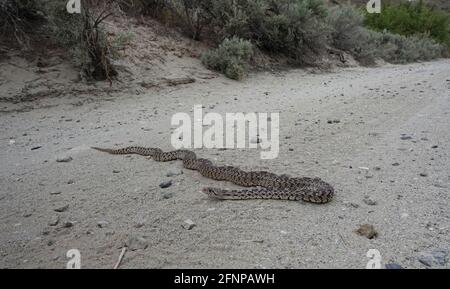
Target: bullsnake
[[267, 185]]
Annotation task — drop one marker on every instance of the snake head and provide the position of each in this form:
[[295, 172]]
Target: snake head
[[318, 191]]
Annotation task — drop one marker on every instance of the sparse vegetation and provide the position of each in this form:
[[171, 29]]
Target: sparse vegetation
[[299, 30]]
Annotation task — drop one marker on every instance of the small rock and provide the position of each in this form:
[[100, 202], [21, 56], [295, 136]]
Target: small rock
[[36, 148], [368, 231], [62, 209], [165, 185], [65, 159], [139, 224], [167, 196], [188, 224], [174, 173], [55, 193], [136, 243], [27, 214], [426, 260], [434, 147], [54, 220], [395, 164], [368, 201], [116, 171], [102, 224], [438, 257], [393, 266], [68, 224], [405, 137], [350, 204], [424, 175]]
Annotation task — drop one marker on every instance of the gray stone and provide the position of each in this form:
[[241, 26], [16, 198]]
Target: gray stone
[[64, 159], [54, 220], [393, 266], [69, 224], [102, 224], [165, 185], [188, 224], [174, 173], [62, 208], [167, 196], [136, 243], [437, 257], [368, 201]]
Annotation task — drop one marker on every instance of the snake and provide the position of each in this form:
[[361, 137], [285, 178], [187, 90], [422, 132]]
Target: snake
[[258, 184]]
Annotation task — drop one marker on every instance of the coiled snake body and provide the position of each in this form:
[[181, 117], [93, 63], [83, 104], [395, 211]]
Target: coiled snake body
[[268, 185]]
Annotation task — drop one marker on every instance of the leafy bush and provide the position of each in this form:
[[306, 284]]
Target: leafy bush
[[348, 33], [411, 18], [366, 45], [397, 48], [230, 58]]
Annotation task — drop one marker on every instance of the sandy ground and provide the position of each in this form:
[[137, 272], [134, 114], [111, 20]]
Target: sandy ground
[[386, 152]]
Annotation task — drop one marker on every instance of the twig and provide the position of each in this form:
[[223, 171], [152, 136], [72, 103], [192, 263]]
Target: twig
[[122, 254]]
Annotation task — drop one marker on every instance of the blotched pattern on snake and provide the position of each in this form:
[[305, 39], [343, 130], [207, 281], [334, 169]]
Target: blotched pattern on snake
[[266, 185]]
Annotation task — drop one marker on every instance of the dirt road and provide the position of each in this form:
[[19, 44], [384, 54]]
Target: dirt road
[[380, 136]]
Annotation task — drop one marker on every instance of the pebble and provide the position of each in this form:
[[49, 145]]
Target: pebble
[[62, 209], [405, 138], [102, 224], [368, 231], [167, 196], [424, 175], [174, 173], [395, 164], [438, 257], [55, 193], [136, 243], [65, 159], [188, 224], [27, 214], [368, 201], [393, 266], [68, 224], [54, 220], [165, 185]]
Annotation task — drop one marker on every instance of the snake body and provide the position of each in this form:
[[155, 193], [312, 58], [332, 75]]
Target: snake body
[[266, 185]]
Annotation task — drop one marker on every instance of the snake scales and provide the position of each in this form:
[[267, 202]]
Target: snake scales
[[267, 185]]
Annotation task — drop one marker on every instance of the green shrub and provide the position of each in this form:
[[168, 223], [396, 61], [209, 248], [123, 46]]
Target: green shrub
[[397, 48], [230, 58], [411, 18], [366, 45], [348, 33], [294, 28]]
